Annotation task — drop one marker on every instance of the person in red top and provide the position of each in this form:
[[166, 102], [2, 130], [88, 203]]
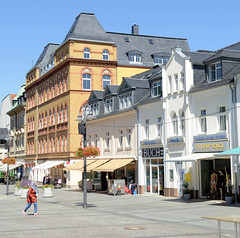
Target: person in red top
[[32, 198]]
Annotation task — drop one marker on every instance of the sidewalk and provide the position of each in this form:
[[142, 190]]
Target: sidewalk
[[111, 216]]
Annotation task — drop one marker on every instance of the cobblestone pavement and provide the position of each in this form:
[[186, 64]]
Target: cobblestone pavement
[[112, 216]]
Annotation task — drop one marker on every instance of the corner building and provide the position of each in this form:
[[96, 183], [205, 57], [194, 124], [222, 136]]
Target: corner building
[[89, 58]]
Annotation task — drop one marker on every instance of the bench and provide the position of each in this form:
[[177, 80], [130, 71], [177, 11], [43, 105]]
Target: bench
[[234, 219]]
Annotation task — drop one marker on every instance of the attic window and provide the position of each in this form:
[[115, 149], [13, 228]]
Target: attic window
[[151, 41], [126, 39]]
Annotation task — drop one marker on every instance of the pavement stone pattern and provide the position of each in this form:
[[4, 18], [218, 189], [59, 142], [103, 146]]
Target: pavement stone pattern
[[137, 216]]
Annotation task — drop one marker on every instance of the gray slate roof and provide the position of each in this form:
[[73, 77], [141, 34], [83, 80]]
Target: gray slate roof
[[197, 58], [87, 27], [151, 75], [141, 43], [224, 54], [46, 56]]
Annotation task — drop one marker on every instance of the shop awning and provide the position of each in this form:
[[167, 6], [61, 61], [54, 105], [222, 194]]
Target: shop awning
[[78, 165], [112, 165], [227, 153], [48, 165], [95, 164], [3, 167], [191, 157]]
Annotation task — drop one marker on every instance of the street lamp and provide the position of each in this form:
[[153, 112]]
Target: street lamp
[[84, 113]]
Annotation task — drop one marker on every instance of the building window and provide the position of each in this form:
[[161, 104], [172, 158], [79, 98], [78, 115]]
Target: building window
[[203, 121], [120, 138], [86, 53], [159, 127], [146, 128], [222, 118], [169, 84], [125, 100], [182, 81], [158, 59], [215, 72], [182, 123], [95, 139], [156, 89], [135, 58], [66, 142], [108, 105], [59, 115], [129, 136], [105, 55], [107, 140], [175, 124], [176, 82], [89, 140], [106, 80], [86, 80]]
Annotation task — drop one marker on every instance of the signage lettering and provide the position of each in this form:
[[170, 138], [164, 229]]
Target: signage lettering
[[152, 152]]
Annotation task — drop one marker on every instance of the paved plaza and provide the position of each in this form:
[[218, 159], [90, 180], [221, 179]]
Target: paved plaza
[[112, 216]]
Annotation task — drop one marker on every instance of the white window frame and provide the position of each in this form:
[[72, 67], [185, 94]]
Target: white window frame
[[146, 128], [106, 80], [120, 141], [222, 118], [215, 71], [86, 79], [159, 127], [107, 140], [129, 137], [156, 88], [105, 55], [86, 53], [175, 124], [135, 58], [176, 82], [203, 121], [169, 84]]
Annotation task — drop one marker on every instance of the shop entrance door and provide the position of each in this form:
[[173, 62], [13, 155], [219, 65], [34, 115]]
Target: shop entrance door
[[179, 178], [155, 180]]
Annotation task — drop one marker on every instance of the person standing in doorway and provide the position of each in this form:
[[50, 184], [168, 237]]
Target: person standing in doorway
[[32, 199]]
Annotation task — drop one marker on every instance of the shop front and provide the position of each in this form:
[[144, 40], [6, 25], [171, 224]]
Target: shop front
[[152, 155], [214, 173]]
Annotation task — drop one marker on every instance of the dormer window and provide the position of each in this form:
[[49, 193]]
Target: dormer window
[[161, 58], [135, 57], [108, 105], [215, 72], [86, 54], [95, 109], [156, 89], [125, 100]]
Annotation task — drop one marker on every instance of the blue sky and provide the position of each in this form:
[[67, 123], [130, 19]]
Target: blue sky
[[27, 26]]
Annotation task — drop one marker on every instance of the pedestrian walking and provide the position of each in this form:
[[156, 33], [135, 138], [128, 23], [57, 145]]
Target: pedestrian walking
[[32, 198]]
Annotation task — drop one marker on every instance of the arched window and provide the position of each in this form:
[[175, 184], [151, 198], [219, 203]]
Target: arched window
[[40, 122], [86, 54], [53, 115], [86, 82], [106, 80], [50, 117], [105, 55]]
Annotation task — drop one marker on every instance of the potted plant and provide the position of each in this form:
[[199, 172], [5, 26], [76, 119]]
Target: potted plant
[[47, 190], [228, 194], [17, 189], [24, 191], [89, 151], [186, 191]]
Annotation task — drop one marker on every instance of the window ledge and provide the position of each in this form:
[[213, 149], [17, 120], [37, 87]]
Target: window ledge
[[128, 148], [120, 149], [106, 150]]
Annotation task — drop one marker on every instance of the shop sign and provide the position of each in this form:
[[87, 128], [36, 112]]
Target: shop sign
[[215, 146], [151, 142], [175, 139], [221, 136], [152, 152]]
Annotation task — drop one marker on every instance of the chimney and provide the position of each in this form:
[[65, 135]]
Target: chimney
[[135, 29]]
